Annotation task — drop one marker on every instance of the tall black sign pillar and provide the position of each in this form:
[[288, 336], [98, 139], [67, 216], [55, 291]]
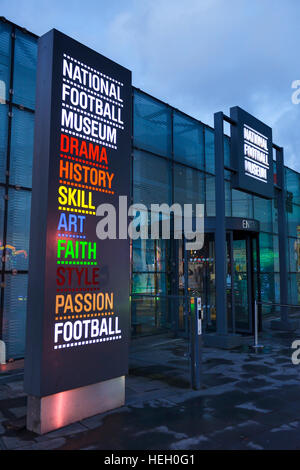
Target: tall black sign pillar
[[78, 296]]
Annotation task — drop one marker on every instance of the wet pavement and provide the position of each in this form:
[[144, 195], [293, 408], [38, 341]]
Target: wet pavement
[[247, 401]]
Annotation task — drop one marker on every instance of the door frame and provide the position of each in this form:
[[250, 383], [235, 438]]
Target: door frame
[[250, 238]]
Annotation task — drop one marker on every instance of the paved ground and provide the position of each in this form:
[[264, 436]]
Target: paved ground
[[248, 401]]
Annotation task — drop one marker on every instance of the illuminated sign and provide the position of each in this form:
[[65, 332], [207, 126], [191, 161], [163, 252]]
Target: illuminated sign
[[78, 295], [251, 147]]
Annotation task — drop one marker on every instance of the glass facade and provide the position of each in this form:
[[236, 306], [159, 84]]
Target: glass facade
[[18, 56], [173, 161], [293, 216]]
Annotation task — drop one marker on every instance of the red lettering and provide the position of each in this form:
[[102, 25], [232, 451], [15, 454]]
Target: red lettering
[[83, 150], [88, 150], [103, 156], [73, 145], [60, 280], [77, 277], [94, 152], [64, 143]]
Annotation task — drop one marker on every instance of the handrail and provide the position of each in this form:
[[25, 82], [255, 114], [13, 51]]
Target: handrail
[[164, 296], [278, 304]]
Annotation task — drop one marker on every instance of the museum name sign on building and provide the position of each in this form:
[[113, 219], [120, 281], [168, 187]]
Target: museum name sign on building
[[251, 147]]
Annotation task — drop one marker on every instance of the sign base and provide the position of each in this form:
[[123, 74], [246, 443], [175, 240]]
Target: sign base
[[45, 414]]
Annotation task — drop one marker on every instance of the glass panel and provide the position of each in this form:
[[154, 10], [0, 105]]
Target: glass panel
[[188, 186], [294, 221], [22, 148], [149, 277], [242, 204], [269, 252], [18, 229], [148, 315], [228, 211], [268, 288], [227, 159], [210, 203], [14, 315], [294, 289], [152, 125], [275, 215], [148, 283], [149, 255], [294, 254], [143, 283], [152, 179], [263, 213], [25, 69], [3, 140], [209, 150], [292, 181], [228, 175], [5, 53], [188, 141]]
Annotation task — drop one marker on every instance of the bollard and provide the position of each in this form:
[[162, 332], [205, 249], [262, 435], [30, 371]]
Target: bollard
[[196, 318]]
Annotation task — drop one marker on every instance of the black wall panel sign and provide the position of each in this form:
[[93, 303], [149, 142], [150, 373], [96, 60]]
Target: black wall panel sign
[[78, 295], [251, 148]]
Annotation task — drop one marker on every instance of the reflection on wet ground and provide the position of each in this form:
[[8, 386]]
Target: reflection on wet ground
[[248, 401]]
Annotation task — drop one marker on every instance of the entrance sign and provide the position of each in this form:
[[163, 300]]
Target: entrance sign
[[78, 296], [251, 146]]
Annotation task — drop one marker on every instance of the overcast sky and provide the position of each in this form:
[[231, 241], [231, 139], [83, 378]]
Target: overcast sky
[[200, 56]]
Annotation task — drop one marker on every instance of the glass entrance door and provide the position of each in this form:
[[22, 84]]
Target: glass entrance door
[[241, 285], [196, 277], [244, 269]]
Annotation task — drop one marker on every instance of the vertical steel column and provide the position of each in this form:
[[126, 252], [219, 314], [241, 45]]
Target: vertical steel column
[[186, 285], [220, 234], [258, 285], [174, 303], [282, 233], [249, 268], [232, 283]]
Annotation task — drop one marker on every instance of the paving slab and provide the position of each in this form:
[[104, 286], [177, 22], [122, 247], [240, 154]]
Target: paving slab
[[246, 401]]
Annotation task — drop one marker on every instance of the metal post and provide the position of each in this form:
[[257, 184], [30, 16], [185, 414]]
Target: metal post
[[232, 281], [196, 342], [186, 291], [282, 232], [256, 345], [220, 236]]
